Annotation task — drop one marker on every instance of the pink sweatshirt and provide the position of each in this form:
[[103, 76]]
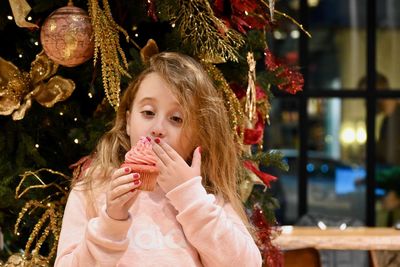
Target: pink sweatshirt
[[185, 227]]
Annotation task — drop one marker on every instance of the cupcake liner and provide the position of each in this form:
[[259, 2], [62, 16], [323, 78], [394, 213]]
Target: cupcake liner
[[148, 175], [149, 180]]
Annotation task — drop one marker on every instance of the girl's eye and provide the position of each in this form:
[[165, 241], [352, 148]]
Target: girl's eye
[[177, 119], [147, 113]]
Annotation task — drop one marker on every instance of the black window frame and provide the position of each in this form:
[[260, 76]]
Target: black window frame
[[371, 96]]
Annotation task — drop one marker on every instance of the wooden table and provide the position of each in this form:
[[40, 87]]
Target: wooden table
[[351, 238]]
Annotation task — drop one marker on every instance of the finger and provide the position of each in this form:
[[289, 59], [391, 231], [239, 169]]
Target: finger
[[131, 197], [160, 164], [124, 179], [161, 154], [168, 149], [196, 161], [126, 199], [124, 189], [120, 171]]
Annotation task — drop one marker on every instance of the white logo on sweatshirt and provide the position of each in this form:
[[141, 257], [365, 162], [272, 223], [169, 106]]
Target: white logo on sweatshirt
[[152, 238]]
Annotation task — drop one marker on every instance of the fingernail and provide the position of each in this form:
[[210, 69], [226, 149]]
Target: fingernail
[[136, 175], [136, 182], [200, 149], [157, 140], [148, 138], [127, 170]]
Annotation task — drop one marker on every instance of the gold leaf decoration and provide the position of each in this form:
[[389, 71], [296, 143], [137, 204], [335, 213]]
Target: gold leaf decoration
[[148, 50], [49, 225], [210, 38], [18, 88], [106, 39]]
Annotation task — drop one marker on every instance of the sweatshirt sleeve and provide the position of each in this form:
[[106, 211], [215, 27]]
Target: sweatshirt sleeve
[[98, 241], [217, 232]]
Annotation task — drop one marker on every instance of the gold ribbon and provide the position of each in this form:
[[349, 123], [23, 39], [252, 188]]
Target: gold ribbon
[[18, 88], [251, 100], [20, 9]]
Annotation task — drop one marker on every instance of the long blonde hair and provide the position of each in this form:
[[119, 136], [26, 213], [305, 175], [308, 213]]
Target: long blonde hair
[[204, 114]]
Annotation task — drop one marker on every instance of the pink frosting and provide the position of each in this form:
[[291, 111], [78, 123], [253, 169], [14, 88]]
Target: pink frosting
[[141, 153]]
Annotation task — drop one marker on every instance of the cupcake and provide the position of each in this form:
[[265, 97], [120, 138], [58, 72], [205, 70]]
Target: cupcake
[[142, 160]]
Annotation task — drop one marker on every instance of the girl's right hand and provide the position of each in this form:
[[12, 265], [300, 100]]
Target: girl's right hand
[[121, 193]]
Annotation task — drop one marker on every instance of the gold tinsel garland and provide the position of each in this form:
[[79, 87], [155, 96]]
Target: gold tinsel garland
[[232, 104], [106, 39], [211, 40], [49, 222]]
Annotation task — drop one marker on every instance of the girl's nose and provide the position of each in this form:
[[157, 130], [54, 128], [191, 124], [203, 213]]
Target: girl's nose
[[157, 133], [158, 129]]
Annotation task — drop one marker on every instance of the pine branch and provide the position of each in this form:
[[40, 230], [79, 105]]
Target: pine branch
[[270, 158]]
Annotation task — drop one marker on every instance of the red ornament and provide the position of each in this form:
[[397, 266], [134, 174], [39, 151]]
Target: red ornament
[[254, 135], [66, 36]]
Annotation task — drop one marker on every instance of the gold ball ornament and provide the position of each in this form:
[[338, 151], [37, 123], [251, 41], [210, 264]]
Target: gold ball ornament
[[66, 36]]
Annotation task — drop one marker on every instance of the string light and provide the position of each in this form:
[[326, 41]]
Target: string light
[[29, 18], [246, 13], [76, 141], [37, 145], [313, 3], [295, 34], [136, 35], [90, 95], [36, 43], [279, 35], [10, 17], [20, 55], [173, 25], [61, 114], [75, 119]]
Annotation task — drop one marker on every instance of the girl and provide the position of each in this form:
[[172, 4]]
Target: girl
[[194, 217]]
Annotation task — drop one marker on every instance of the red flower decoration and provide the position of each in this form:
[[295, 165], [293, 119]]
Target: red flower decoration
[[265, 177], [289, 80], [243, 15]]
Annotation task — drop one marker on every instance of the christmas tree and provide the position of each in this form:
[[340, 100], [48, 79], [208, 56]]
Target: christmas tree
[[56, 99]]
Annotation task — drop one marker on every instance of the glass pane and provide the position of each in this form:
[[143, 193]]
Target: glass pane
[[337, 49], [284, 40], [387, 41], [387, 139], [283, 134], [336, 156]]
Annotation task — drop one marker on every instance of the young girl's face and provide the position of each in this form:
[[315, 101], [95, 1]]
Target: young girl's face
[[155, 112]]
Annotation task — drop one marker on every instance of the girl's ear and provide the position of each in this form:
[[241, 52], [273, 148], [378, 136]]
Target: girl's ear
[[128, 126]]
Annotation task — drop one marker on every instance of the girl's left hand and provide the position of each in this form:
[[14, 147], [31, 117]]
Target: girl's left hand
[[173, 168]]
